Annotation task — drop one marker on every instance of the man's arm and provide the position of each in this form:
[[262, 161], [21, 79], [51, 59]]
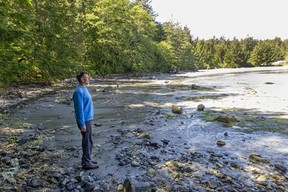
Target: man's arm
[[79, 110]]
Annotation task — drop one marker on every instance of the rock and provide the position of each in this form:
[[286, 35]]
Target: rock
[[165, 141], [7, 181], [176, 176], [7, 160], [39, 149], [177, 187], [228, 179], [23, 162], [151, 173], [196, 155], [282, 188], [280, 167], [144, 135], [261, 179], [169, 163], [154, 158], [36, 182], [221, 143], [200, 107], [56, 175], [71, 186], [14, 162], [153, 144], [177, 109], [226, 134], [3, 153], [89, 186], [219, 174], [65, 182], [120, 187], [213, 159], [187, 169], [256, 158], [194, 87], [87, 179], [67, 101], [152, 163], [108, 89], [269, 83], [220, 165], [226, 119], [22, 141], [212, 184], [234, 165], [135, 163], [127, 186]]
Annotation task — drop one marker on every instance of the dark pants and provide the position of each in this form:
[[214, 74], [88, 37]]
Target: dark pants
[[87, 144]]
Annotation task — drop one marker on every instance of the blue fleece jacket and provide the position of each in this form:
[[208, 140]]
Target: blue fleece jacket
[[83, 105]]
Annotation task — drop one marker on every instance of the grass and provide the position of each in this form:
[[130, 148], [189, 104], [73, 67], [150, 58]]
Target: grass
[[13, 122], [201, 97], [10, 128], [169, 116], [209, 115], [249, 123]]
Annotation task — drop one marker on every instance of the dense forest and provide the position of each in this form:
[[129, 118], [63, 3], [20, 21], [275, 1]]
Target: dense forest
[[46, 41]]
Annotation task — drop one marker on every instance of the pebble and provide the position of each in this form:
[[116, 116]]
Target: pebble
[[135, 163], [36, 182], [221, 143]]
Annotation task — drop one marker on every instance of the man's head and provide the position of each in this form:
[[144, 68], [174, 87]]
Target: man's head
[[83, 78]]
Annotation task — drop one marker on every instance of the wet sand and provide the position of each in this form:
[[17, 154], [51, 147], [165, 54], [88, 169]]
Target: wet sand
[[136, 136]]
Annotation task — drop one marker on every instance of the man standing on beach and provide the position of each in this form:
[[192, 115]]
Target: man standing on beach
[[84, 113]]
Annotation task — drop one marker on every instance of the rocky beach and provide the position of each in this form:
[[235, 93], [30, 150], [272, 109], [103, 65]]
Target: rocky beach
[[210, 130]]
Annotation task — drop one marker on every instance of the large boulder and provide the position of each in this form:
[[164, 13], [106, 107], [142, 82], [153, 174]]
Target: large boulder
[[226, 119], [177, 109], [200, 107], [256, 158]]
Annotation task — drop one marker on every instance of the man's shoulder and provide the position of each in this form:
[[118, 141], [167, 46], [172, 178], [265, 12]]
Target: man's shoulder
[[79, 88]]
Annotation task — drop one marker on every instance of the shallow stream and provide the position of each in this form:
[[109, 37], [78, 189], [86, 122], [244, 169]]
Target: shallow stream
[[127, 107]]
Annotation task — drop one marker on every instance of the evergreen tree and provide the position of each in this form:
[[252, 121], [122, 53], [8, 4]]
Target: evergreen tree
[[120, 34], [55, 46], [234, 56], [264, 53], [15, 41], [178, 41], [247, 45], [48, 40]]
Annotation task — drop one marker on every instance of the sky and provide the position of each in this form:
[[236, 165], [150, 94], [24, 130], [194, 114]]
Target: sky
[[260, 19]]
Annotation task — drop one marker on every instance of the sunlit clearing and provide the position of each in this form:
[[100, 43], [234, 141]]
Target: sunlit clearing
[[11, 130], [151, 104], [136, 105], [273, 140], [167, 105]]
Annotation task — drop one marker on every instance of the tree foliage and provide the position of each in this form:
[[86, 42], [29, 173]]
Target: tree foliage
[[15, 41], [248, 52], [266, 52], [44, 40]]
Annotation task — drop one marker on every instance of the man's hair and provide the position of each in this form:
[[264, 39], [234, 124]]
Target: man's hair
[[80, 75]]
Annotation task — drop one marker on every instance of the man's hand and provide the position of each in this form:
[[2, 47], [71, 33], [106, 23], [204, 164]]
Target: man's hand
[[83, 128]]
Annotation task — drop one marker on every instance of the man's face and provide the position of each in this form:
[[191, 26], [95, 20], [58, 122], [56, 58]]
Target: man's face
[[85, 79]]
